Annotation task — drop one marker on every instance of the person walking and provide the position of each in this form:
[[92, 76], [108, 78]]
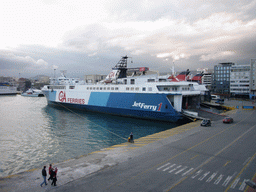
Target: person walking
[[50, 169], [44, 174], [54, 177]]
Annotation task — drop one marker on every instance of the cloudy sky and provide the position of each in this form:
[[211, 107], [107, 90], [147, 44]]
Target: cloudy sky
[[89, 37]]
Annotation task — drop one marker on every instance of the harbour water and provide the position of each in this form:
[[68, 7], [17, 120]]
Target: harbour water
[[33, 134]]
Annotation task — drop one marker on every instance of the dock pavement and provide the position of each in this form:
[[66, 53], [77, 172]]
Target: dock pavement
[[81, 173]]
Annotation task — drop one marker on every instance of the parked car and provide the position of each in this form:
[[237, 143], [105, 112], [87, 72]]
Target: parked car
[[228, 120], [206, 122], [220, 101]]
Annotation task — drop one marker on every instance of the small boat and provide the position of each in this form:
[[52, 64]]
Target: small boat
[[33, 93]]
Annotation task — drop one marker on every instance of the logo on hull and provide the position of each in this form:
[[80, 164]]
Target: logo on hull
[[147, 107], [62, 96]]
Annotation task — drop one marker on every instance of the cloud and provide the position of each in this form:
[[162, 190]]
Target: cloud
[[164, 38], [75, 34], [17, 63], [214, 56]]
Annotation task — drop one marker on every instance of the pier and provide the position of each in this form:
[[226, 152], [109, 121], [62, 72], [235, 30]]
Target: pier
[[216, 158]]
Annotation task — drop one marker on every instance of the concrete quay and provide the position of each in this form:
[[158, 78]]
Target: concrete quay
[[185, 158]]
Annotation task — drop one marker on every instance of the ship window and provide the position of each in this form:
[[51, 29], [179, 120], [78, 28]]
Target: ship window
[[90, 88], [100, 88], [150, 89], [166, 89], [87, 88], [127, 88], [162, 80], [132, 81], [104, 88], [125, 81], [137, 88], [93, 88], [143, 88], [112, 88], [116, 88], [71, 87], [132, 88], [97, 88], [108, 88], [151, 80]]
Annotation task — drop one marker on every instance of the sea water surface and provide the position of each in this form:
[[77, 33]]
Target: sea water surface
[[33, 134]]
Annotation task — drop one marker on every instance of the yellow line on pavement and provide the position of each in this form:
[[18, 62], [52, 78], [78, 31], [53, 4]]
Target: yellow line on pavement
[[252, 180], [194, 157], [240, 172], [226, 163]]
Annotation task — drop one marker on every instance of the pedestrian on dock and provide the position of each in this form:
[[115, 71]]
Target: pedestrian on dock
[[131, 138], [50, 169], [54, 176], [44, 174]]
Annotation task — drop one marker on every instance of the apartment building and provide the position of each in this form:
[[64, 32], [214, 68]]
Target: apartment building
[[240, 80]]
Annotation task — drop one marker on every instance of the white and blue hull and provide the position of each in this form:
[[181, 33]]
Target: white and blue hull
[[138, 105]]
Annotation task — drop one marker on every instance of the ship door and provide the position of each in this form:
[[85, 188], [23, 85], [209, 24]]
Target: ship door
[[175, 101]]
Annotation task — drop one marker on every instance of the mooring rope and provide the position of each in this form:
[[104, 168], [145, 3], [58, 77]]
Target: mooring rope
[[91, 121]]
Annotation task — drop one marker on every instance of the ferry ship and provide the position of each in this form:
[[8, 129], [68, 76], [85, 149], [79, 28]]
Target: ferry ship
[[7, 89], [138, 95]]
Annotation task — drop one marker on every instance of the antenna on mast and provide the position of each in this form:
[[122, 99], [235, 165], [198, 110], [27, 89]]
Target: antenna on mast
[[63, 72]]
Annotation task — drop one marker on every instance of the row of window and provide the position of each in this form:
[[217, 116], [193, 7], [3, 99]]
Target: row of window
[[102, 88], [116, 88], [127, 88], [222, 79], [56, 87], [221, 71], [222, 75], [240, 81], [239, 85], [137, 88], [239, 89], [222, 68]]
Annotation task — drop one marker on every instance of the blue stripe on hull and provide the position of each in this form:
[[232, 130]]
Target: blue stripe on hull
[[99, 99], [154, 115]]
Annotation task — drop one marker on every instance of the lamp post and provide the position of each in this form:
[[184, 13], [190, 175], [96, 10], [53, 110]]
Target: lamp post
[[54, 76]]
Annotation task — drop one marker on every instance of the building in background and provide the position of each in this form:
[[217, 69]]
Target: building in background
[[221, 79], [240, 81], [252, 86], [207, 80]]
